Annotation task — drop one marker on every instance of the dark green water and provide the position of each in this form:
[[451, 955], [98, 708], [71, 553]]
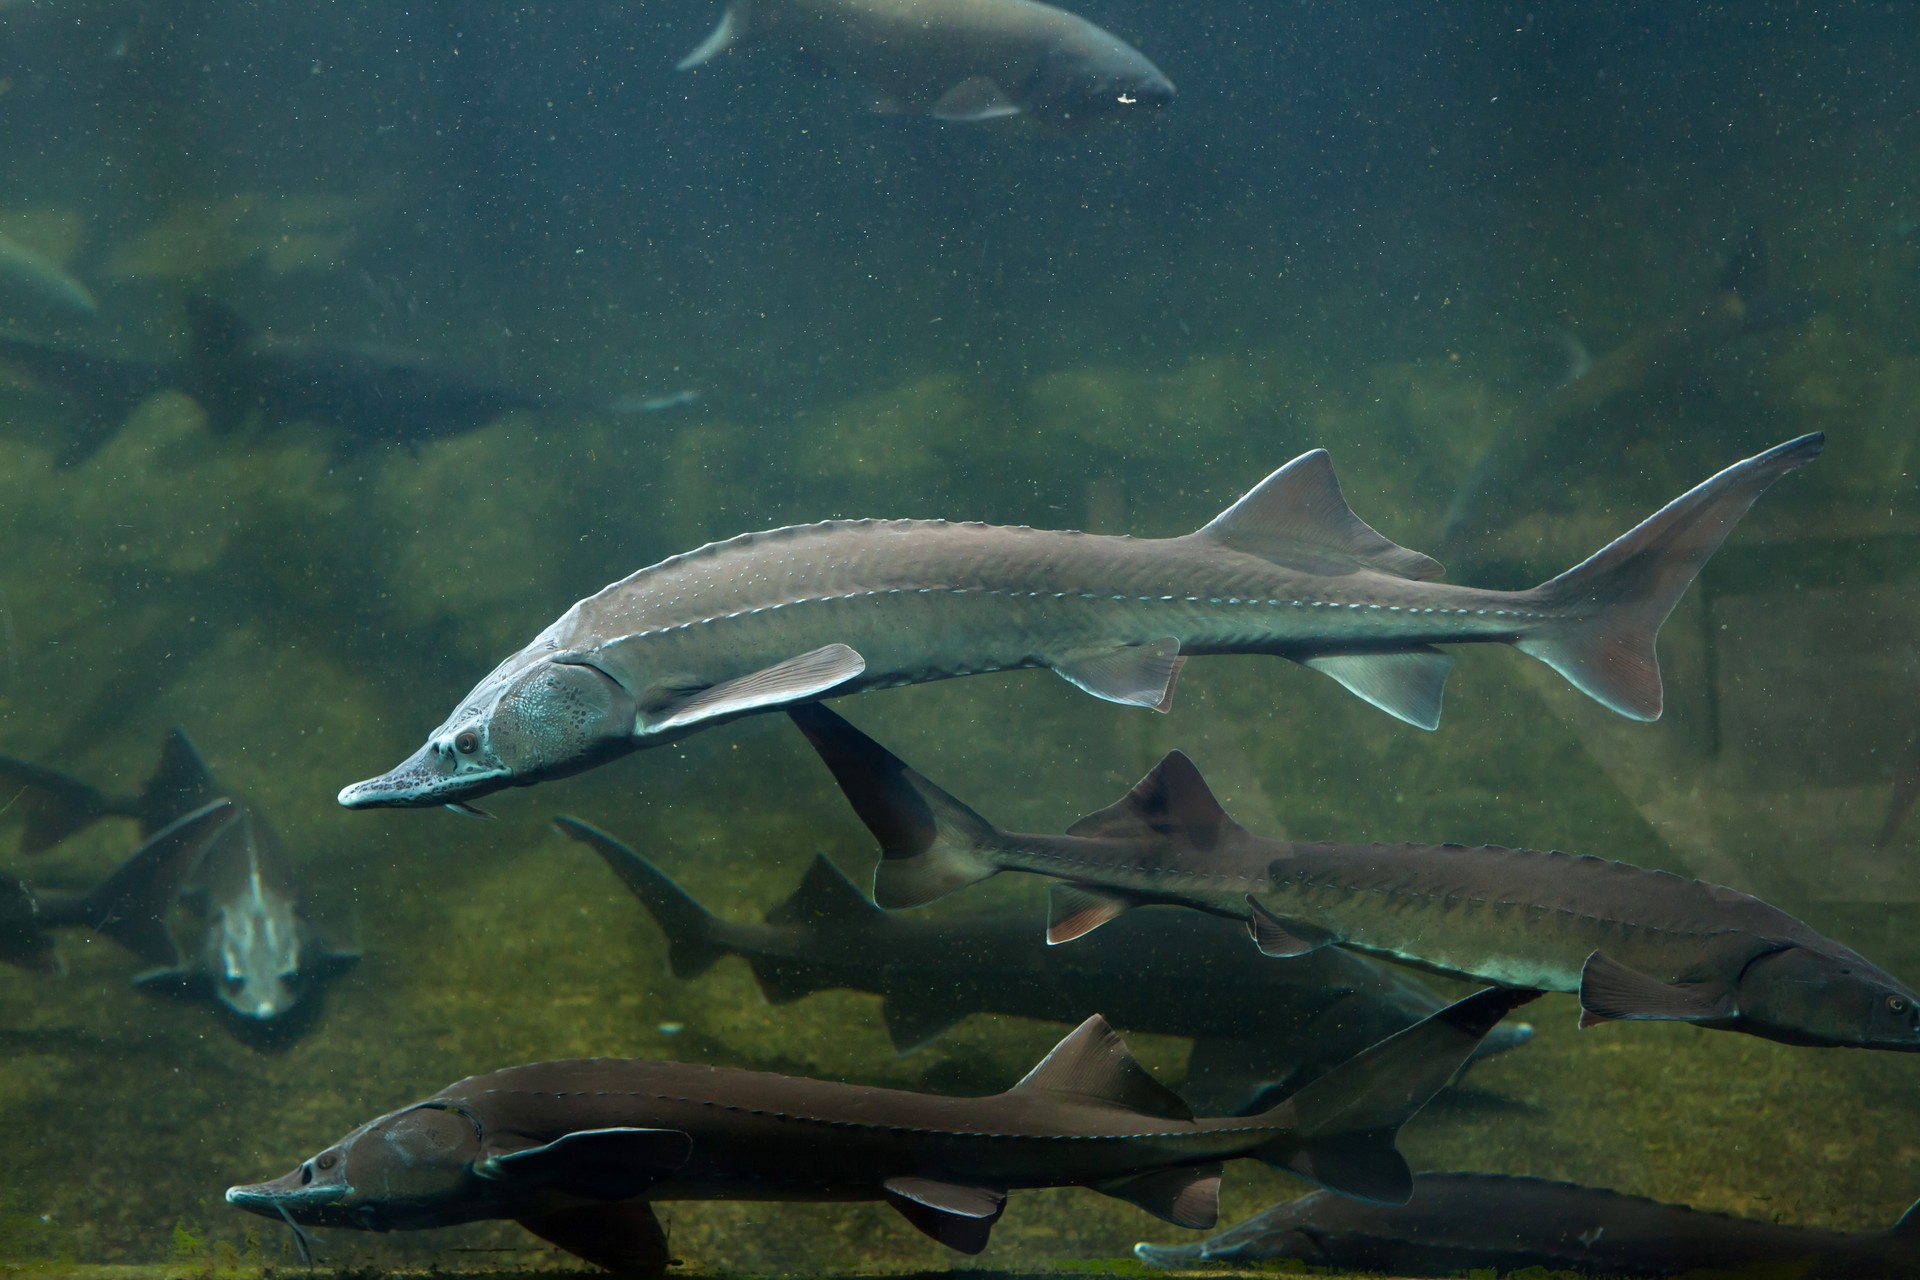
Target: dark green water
[[1358, 228]]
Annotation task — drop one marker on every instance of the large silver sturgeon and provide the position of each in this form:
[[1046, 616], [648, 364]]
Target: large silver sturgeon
[[769, 620]]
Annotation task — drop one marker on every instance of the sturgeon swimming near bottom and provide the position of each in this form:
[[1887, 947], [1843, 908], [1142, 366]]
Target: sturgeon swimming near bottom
[[1634, 943], [575, 1151], [774, 619], [1484, 1223]]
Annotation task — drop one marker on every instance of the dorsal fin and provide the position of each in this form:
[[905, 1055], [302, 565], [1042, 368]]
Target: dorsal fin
[[1173, 799], [825, 897], [1093, 1065], [1296, 516]]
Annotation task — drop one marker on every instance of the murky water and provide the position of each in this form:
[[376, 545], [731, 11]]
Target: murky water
[[1395, 231]]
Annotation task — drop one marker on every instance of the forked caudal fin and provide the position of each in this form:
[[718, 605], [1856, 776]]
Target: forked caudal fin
[[930, 843], [1341, 1128], [1608, 609], [692, 931]]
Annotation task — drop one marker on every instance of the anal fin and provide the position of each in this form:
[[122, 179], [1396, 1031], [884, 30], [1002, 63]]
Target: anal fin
[[1133, 675], [913, 1024], [958, 1215], [1407, 683], [784, 981], [1281, 937], [1186, 1197], [1609, 989], [798, 679], [1074, 911]]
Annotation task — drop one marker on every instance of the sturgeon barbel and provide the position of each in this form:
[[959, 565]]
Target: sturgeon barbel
[[769, 620], [1634, 943]]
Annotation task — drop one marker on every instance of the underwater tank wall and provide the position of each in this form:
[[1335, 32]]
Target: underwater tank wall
[[346, 346]]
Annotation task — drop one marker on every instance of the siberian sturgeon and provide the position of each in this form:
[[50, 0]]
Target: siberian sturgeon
[[1634, 943], [768, 620], [575, 1151]]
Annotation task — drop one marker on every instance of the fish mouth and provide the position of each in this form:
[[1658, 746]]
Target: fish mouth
[[421, 781]]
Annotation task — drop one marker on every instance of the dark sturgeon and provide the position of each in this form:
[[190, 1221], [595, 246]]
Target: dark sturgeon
[[130, 905], [1259, 1029], [1742, 302], [575, 1151], [373, 396], [1633, 943], [259, 961], [1461, 1222], [774, 619]]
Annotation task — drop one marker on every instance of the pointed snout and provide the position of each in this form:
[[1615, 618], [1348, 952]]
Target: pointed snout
[[287, 1195], [1170, 1255], [427, 777]]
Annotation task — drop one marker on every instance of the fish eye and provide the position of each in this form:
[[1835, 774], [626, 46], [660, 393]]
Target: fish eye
[[466, 742], [324, 1161], [1896, 1004]]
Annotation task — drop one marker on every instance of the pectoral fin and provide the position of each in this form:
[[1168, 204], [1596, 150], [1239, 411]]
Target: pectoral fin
[[784, 981], [956, 1214], [626, 1239], [602, 1164], [795, 680], [176, 984], [1280, 936], [1609, 989], [974, 99], [1134, 675]]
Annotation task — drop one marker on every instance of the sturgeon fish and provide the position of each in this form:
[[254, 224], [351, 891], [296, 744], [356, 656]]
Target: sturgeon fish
[[259, 963], [1258, 1029], [960, 61], [1473, 1222], [1633, 943], [767, 620], [1743, 302], [130, 905], [576, 1151], [373, 396]]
